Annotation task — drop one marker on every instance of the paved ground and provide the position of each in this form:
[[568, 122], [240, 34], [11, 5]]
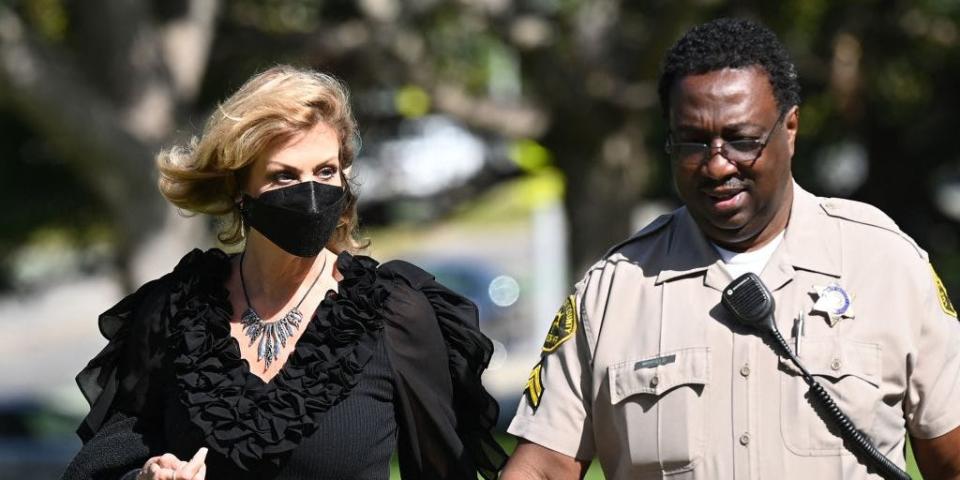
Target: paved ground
[[46, 338]]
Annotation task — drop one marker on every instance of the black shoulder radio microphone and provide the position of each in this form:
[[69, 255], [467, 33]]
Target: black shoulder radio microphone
[[748, 299]]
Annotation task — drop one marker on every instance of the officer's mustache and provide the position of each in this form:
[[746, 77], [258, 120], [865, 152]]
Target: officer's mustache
[[729, 183]]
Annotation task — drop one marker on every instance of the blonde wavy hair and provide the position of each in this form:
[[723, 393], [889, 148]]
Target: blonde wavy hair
[[205, 175]]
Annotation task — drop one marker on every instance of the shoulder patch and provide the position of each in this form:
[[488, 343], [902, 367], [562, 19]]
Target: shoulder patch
[[534, 390], [564, 326], [945, 304], [866, 214]]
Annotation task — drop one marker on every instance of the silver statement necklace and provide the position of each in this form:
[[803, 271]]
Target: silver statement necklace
[[272, 335]]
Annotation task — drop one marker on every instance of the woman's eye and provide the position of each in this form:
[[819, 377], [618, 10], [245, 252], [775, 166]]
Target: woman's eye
[[283, 177], [327, 172]]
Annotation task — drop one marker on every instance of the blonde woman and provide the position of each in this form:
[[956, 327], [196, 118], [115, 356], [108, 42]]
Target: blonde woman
[[293, 358]]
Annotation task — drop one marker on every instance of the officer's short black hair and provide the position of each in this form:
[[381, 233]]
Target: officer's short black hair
[[730, 43]]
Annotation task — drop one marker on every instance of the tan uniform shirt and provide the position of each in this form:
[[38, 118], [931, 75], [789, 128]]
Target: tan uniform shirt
[[646, 370]]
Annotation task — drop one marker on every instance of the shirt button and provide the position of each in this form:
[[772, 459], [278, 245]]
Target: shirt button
[[745, 439], [654, 381], [745, 370], [835, 364]]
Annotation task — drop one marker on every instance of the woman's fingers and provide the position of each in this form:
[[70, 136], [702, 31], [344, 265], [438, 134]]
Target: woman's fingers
[[190, 469], [156, 472], [169, 467], [145, 470], [153, 471], [170, 461]]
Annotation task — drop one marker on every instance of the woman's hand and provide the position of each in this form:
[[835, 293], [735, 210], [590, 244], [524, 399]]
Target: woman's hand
[[169, 467]]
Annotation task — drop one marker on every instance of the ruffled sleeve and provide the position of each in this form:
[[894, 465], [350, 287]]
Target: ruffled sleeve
[[118, 379], [445, 414]]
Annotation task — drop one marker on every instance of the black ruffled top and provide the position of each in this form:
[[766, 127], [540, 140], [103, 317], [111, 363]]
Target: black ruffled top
[[171, 378]]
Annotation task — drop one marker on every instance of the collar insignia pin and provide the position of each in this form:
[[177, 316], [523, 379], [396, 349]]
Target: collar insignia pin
[[832, 301]]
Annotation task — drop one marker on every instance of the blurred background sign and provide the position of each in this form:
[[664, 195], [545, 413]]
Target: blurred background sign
[[506, 145]]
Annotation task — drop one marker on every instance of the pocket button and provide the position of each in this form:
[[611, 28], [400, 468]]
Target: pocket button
[[654, 381], [835, 364], [745, 439]]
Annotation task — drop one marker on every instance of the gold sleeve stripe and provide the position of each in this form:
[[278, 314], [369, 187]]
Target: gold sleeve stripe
[[534, 388]]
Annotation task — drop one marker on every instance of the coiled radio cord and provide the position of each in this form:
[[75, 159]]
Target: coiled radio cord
[[848, 431]]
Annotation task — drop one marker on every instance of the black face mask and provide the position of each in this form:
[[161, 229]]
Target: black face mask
[[299, 218]]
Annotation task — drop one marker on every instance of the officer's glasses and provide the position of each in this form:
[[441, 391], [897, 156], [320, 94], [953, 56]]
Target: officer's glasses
[[740, 152]]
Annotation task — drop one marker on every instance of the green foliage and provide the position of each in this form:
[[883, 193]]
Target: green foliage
[[904, 89], [48, 17], [464, 51], [530, 155], [277, 16], [40, 199], [412, 101], [880, 74]]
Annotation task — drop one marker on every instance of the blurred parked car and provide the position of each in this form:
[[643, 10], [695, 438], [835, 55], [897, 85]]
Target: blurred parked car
[[473, 278], [37, 440]]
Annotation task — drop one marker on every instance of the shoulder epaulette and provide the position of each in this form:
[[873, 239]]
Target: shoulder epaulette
[[656, 225], [866, 214]]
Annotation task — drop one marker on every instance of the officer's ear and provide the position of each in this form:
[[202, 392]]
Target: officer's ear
[[791, 125]]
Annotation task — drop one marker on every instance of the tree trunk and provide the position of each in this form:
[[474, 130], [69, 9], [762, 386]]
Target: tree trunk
[[107, 104]]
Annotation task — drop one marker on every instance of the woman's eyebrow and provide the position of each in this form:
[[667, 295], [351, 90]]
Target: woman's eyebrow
[[280, 165], [332, 159]]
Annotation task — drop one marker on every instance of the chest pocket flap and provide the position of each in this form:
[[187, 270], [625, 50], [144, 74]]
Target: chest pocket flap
[[659, 374], [835, 358], [850, 371]]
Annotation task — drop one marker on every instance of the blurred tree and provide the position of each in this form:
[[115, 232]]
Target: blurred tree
[[103, 83], [575, 76], [877, 77], [880, 102], [578, 76]]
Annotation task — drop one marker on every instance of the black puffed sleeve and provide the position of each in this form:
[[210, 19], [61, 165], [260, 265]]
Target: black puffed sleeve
[[438, 354], [118, 377], [123, 382]]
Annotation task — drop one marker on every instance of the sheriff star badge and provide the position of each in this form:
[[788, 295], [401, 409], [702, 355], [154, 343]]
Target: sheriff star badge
[[832, 301]]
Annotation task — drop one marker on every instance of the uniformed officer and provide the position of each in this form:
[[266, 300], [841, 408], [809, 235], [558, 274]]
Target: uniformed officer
[[646, 371]]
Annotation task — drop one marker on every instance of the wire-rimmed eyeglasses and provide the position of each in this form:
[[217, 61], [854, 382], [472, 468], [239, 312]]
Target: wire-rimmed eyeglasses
[[740, 152]]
